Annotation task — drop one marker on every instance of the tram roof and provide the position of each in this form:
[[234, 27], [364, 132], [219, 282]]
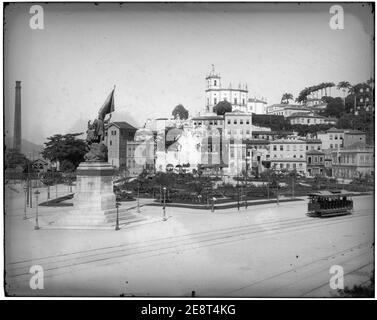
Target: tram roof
[[332, 193]]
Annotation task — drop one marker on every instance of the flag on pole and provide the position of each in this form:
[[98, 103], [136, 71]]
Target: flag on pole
[[108, 105]]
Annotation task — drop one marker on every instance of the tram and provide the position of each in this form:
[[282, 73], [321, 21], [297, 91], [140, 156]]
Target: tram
[[330, 203]]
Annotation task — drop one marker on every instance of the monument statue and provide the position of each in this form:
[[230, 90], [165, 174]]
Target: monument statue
[[95, 134], [94, 202]]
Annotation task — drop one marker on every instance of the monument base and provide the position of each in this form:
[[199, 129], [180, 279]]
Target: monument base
[[94, 200]]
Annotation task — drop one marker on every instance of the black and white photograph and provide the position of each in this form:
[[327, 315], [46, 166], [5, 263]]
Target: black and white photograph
[[189, 150]]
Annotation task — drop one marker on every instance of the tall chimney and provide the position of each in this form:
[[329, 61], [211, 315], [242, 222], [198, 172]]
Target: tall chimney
[[17, 118]]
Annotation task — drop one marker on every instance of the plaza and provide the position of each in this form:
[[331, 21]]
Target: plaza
[[193, 252]]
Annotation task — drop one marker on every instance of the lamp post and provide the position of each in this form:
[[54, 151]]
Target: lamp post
[[36, 227], [117, 204], [238, 196], [163, 207], [277, 193], [26, 198], [293, 186], [213, 204], [138, 197]]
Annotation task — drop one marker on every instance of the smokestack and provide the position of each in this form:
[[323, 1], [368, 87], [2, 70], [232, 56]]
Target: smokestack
[[17, 118]]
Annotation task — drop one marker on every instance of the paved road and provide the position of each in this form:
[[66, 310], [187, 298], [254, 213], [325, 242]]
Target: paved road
[[267, 250]]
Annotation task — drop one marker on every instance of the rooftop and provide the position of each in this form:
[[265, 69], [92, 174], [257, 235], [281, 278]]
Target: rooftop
[[210, 117], [303, 114], [122, 125], [333, 129]]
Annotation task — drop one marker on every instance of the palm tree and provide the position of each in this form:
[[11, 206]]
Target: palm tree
[[353, 90], [286, 97], [330, 85], [322, 87], [344, 86]]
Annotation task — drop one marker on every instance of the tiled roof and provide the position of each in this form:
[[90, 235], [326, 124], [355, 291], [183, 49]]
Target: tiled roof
[[122, 125], [208, 118], [333, 129], [304, 115]]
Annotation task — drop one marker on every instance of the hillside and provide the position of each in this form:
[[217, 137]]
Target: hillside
[[26, 147]]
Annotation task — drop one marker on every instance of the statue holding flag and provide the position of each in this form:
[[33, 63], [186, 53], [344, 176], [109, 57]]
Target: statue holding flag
[[96, 132]]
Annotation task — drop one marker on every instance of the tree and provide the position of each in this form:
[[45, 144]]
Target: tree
[[335, 107], [14, 159], [222, 107], [303, 95], [180, 111], [65, 148], [286, 97], [344, 86]]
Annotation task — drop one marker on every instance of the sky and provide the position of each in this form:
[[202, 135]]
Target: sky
[[158, 55]]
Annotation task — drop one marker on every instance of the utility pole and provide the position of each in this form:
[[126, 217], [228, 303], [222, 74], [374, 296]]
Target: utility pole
[[246, 176]]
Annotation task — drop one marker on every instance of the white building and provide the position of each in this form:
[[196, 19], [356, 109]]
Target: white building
[[289, 154], [307, 119], [185, 151], [256, 106], [238, 125], [286, 110], [215, 93]]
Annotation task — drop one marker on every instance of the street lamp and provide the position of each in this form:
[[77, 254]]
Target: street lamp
[[26, 198], [138, 197], [36, 227], [117, 204], [238, 196], [163, 207]]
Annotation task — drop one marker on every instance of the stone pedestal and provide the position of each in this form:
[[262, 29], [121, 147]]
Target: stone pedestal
[[94, 200]]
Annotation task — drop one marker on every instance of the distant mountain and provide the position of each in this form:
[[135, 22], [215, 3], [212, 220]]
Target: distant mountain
[[26, 147]]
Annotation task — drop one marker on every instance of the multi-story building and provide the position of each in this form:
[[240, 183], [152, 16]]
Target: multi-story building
[[309, 119], [288, 154], [215, 93], [286, 110], [118, 135], [257, 106], [237, 158], [331, 138], [353, 161], [315, 163], [335, 138], [362, 98], [313, 144], [209, 121], [270, 135], [353, 136], [237, 125], [258, 155]]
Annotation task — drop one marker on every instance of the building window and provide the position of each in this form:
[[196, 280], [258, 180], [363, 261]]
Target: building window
[[214, 82], [281, 148], [241, 121], [247, 121], [274, 147], [228, 121], [235, 100], [235, 121], [111, 143], [215, 101]]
